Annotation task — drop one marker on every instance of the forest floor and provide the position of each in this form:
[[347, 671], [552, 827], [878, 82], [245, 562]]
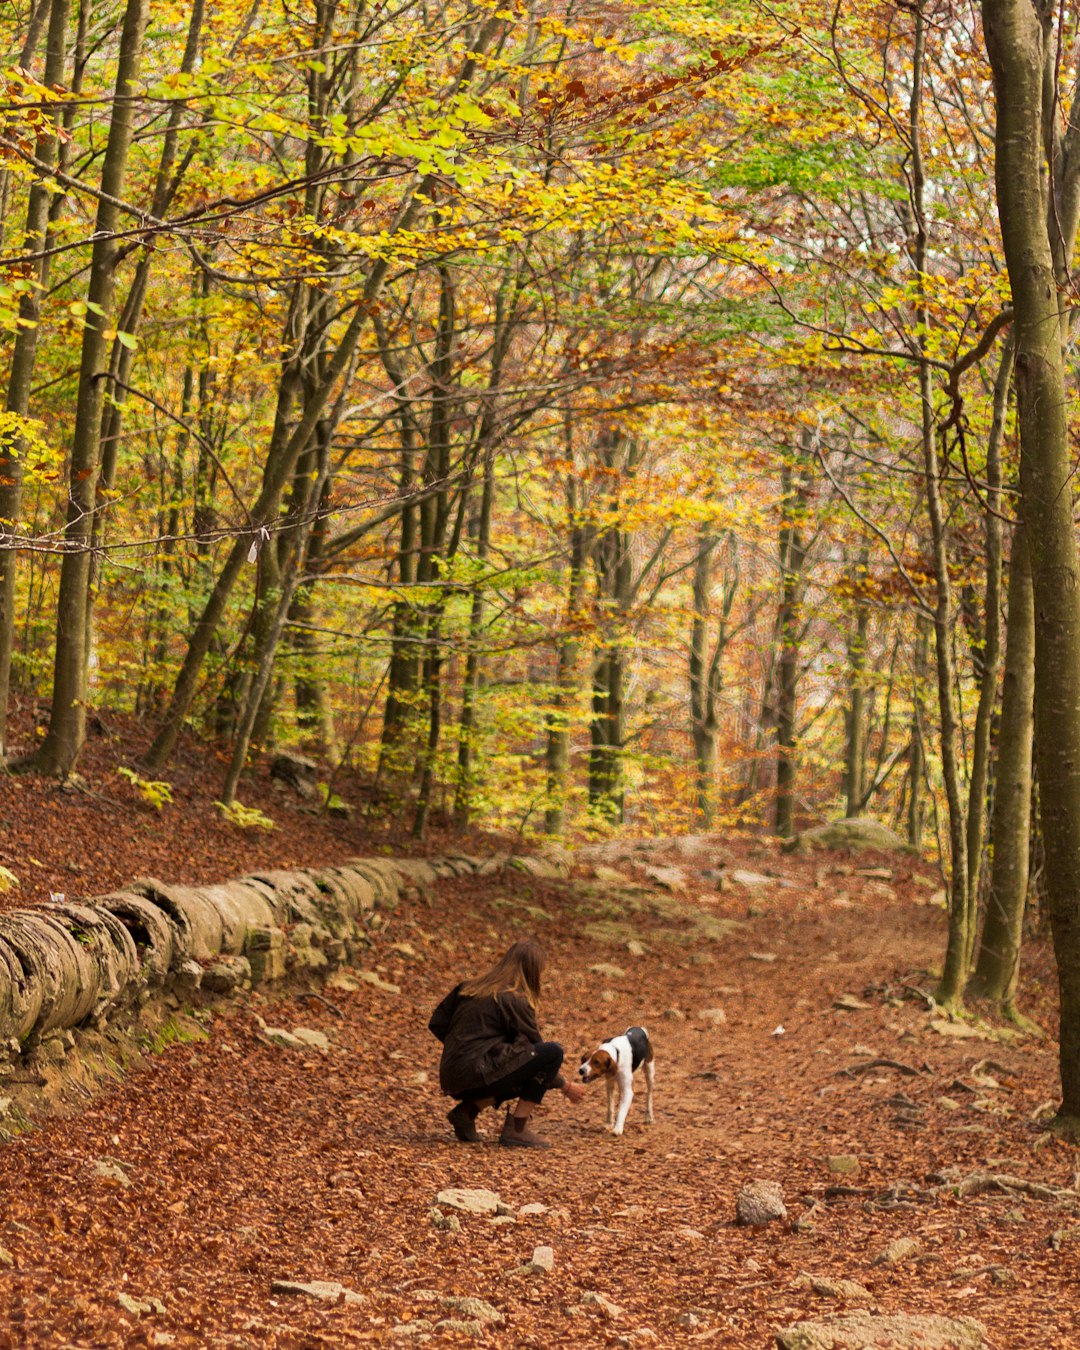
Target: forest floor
[[220, 1166]]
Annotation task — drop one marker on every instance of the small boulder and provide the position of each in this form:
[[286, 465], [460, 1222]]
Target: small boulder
[[843, 1164], [324, 1291], [317, 1040], [717, 1016], [899, 1250], [470, 1201], [591, 1299], [283, 1039], [898, 1331], [760, 1203], [855, 833], [461, 1326], [844, 1291], [108, 1170], [543, 1260], [297, 772], [741, 877], [477, 1309]]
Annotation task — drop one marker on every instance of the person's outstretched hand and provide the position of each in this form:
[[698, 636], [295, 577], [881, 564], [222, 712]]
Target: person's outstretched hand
[[574, 1092]]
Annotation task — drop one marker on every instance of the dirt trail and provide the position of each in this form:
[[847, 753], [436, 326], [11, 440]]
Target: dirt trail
[[224, 1166]]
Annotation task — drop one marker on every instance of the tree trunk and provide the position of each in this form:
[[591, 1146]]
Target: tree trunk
[[855, 718], [794, 501], [999, 950], [67, 721], [991, 648], [1038, 250], [13, 444], [473, 660], [557, 756]]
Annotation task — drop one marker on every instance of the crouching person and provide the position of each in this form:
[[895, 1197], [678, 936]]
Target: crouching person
[[493, 1051]]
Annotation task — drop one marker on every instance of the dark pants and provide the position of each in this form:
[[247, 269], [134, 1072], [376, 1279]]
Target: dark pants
[[531, 1081]]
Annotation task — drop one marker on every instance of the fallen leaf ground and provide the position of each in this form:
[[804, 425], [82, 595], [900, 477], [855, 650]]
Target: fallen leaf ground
[[247, 1164]]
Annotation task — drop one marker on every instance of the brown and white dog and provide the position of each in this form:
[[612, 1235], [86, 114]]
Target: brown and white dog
[[615, 1062]]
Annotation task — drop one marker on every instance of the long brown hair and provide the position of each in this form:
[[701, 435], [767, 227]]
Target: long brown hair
[[518, 970]]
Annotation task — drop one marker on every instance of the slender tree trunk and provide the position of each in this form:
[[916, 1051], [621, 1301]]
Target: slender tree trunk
[[991, 650], [795, 490], [13, 445], [917, 741], [473, 661], [702, 691], [855, 718], [557, 756], [66, 731], [998, 965]]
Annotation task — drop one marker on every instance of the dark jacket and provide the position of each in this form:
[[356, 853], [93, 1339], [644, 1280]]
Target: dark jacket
[[483, 1039]]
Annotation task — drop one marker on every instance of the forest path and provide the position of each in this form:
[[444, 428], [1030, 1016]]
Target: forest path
[[221, 1167]]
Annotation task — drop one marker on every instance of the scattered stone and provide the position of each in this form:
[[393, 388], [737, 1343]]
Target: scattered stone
[[284, 1040], [608, 971], [751, 879], [717, 1016], [108, 1170], [377, 982], [297, 772], [864, 1051], [324, 1291], [875, 873], [6, 1258], [504, 1211], [766, 957], [670, 878], [673, 1015], [843, 1164], [461, 1326], [611, 875], [500, 1220], [140, 1307], [447, 1223], [471, 1201], [317, 1040], [847, 1291], [477, 1308], [690, 1234], [688, 1320], [759, 1203], [591, 1299], [849, 1003], [419, 1326], [948, 1104], [543, 1261], [635, 948], [900, 1331], [1063, 1237], [535, 1208], [900, 1249], [342, 980], [960, 1031]]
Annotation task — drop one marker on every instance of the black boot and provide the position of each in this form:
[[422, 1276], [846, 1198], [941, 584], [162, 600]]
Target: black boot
[[463, 1119]]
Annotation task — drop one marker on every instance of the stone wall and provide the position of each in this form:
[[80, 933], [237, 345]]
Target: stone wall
[[77, 963]]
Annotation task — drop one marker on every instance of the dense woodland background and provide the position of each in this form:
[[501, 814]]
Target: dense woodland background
[[567, 416]]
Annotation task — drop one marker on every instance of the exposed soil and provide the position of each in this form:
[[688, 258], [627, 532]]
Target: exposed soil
[[249, 1164]]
